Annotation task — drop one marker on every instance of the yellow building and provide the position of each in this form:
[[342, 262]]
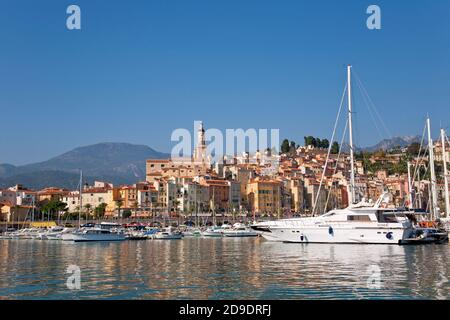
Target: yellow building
[[264, 196], [13, 213], [296, 187]]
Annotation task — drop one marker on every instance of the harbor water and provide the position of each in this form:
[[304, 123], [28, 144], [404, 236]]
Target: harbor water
[[234, 268]]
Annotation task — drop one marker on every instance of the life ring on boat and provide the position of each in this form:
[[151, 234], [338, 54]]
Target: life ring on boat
[[389, 235]]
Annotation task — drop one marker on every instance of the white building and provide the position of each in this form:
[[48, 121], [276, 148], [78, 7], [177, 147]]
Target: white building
[[193, 197]]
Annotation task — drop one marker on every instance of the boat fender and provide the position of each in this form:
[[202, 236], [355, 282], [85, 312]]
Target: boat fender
[[330, 231], [389, 235]]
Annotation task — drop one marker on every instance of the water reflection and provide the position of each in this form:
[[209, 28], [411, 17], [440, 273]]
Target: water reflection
[[221, 269]]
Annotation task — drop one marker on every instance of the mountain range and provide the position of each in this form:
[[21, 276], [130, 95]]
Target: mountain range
[[394, 142], [119, 163]]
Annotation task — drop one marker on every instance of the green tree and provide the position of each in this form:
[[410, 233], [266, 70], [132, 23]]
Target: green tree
[[119, 204], [99, 211], [53, 207], [325, 144], [310, 141], [88, 208], [318, 143], [126, 213], [335, 148], [292, 146], [413, 149], [285, 146]]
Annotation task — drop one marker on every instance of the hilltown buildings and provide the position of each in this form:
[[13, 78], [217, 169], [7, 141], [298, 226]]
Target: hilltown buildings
[[261, 184]]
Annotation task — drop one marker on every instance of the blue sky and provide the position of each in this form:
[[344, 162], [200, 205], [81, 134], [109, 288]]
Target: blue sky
[[139, 69]]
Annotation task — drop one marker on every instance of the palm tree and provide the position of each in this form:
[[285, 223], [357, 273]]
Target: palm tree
[[135, 206], [119, 204], [88, 207]]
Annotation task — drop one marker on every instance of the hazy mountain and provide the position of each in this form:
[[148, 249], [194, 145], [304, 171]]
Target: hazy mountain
[[113, 162], [394, 142]]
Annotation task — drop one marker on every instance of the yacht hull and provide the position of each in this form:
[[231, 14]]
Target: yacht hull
[[212, 234], [330, 234], [168, 237], [238, 234], [93, 237]]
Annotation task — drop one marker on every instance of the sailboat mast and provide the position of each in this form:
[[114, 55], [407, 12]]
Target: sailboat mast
[[432, 172], [444, 163], [80, 199], [214, 207], [410, 189], [196, 206], [350, 128]]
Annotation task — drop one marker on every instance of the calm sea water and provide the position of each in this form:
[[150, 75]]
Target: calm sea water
[[223, 269]]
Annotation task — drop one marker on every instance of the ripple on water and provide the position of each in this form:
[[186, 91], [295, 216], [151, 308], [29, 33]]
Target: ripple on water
[[222, 269]]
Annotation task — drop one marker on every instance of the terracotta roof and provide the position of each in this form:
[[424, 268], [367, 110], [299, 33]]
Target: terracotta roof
[[96, 190]]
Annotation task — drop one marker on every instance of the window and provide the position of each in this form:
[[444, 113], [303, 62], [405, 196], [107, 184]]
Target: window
[[358, 218]]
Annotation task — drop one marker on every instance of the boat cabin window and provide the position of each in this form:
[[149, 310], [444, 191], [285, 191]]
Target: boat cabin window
[[383, 217], [358, 218]]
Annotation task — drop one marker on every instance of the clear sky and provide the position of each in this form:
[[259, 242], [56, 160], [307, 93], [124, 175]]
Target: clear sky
[[139, 69]]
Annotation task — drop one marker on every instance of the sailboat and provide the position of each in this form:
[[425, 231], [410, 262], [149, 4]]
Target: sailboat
[[214, 231], [446, 219], [433, 228], [94, 234], [361, 222]]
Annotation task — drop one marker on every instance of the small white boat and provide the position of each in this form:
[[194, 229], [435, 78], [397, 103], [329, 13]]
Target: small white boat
[[92, 235], [213, 232], [168, 234], [26, 233], [192, 233], [216, 231], [6, 236], [239, 230], [50, 234]]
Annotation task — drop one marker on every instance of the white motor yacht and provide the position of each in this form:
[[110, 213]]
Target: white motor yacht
[[192, 232], [168, 234], [216, 231], [363, 222], [239, 230], [92, 234]]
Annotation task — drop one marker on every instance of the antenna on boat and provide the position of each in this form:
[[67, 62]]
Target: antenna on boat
[[350, 130]]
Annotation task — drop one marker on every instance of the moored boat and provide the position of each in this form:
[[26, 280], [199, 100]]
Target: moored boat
[[94, 234], [168, 234], [239, 230]]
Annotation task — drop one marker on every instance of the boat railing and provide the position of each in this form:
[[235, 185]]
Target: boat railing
[[327, 223]]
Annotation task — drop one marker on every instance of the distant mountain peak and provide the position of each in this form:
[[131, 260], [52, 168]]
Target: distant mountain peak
[[115, 162], [398, 141]]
